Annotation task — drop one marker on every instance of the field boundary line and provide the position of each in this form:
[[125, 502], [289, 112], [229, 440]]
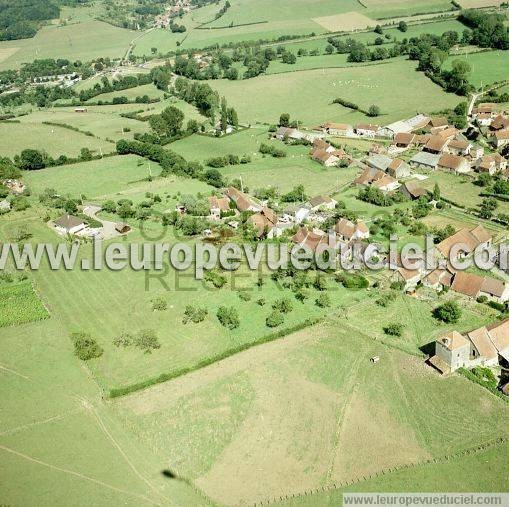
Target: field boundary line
[[23, 427], [75, 474], [338, 486], [91, 409]]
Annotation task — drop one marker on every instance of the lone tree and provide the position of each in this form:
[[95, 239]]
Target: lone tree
[[284, 120], [402, 27], [373, 110], [449, 312]]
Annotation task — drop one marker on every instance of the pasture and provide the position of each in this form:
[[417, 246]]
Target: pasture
[[381, 9], [83, 41], [487, 66], [104, 124], [53, 140], [308, 95], [253, 412]]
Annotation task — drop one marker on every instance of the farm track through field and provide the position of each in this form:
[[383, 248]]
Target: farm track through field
[[76, 474]]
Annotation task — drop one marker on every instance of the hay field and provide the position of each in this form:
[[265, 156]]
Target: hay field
[[308, 411], [348, 21]]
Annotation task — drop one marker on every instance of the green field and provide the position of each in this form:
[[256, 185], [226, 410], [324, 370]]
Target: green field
[[487, 67], [131, 93], [256, 410], [88, 40], [20, 304], [53, 140], [308, 95]]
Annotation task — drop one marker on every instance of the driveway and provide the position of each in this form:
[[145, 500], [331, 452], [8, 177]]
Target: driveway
[[108, 230]]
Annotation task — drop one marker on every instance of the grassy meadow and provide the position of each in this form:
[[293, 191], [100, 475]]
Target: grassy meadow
[[254, 411], [85, 41], [308, 95]]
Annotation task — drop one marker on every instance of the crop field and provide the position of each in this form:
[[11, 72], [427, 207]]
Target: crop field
[[365, 419], [308, 95], [472, 4], [20, 304], [381, 9], [349, 21], [53, 140]]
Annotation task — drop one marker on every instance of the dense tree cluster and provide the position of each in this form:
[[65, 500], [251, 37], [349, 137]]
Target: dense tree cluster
[[488, 29], [21, 19]]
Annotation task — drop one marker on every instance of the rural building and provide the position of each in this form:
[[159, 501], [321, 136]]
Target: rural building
[[404, 126], [471, 238], [486, 346], [337, 129], [491, 164], [322, 202], [473, 286], [459, 147], [80, 109], [500, 138], [265, 223], [404, 140], [484, 119], [398, 169], [438, 122], [218, 205], [500, 123], [312, 239], [412, 190], [347, 231], [242, 201], [367, 130], [326, 159], [69, 224], [435, 144], [425, 160], [386, 183], [320, 144], [296, 213], [439, 279], [454, 163], [410, 277], [283, 133], [15, 186], [122, 228], [380, 162]]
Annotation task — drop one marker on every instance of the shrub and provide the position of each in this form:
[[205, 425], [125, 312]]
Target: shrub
[[482, 299], [159, 304], [352, 281], [244, 296], [397, 285], [124, 340], [85, 347], [386, 299], [283, 305], [147, 341], [323, 301], [449, 312], [394, 329], [274, 319], [501, 307], [194, 314], [215, 278], [261, 302], [228, 317]]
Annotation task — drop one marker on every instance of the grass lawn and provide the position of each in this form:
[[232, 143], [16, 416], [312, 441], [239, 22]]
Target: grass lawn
[[53, 140], [308, 95], [381, 9], [83, 41]]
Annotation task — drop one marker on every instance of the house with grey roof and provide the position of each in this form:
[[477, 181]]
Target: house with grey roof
[[425, 160]]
